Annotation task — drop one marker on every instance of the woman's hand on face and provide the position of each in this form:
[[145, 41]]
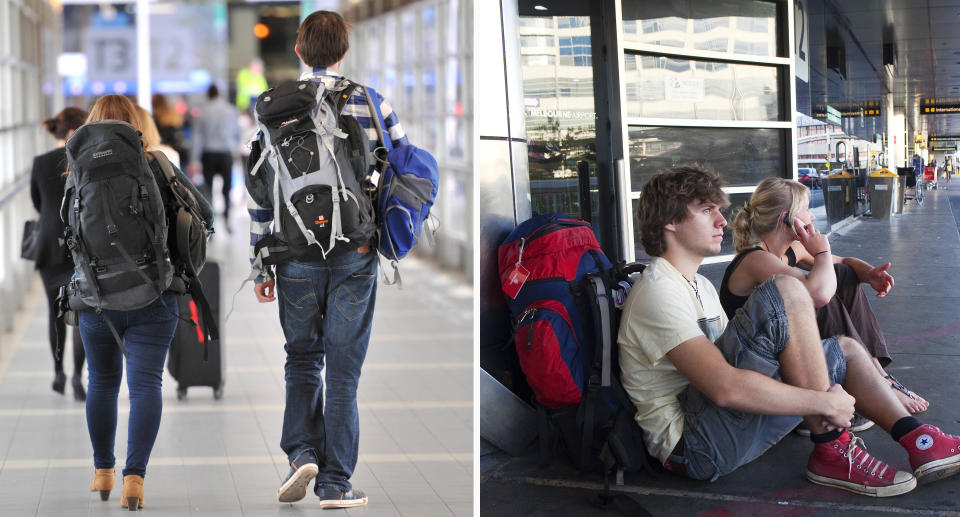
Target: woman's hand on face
[[810, 238]]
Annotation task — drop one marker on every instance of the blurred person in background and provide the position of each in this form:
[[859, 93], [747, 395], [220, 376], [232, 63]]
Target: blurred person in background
[[53, 259], [250, 84], [151, 137], [170, 125], [216, 136]]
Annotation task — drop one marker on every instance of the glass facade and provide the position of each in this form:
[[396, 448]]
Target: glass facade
[[704, 84], [420, 58]]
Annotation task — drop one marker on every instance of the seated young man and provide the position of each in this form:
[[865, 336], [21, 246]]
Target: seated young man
[[711, 397]]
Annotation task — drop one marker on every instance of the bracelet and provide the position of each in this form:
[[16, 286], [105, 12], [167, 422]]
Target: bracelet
[[821, 252]]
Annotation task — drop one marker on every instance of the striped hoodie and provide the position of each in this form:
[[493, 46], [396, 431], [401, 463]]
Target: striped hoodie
[[261, 217]]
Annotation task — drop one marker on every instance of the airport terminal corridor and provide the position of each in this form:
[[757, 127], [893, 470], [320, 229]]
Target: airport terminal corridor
[[223, 457]]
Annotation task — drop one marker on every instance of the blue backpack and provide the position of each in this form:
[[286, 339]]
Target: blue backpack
[[406, 190]]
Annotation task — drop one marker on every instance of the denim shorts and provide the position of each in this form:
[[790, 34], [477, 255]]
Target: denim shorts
[[719, 440]]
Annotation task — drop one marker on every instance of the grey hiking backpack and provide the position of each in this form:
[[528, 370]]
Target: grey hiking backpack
[[116, 222], [317, 164]]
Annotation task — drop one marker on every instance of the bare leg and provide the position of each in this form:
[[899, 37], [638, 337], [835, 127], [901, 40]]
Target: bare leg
[[875, 399], [802, 363]]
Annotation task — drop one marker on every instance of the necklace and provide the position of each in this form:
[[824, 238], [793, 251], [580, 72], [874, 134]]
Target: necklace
[[696, 291]]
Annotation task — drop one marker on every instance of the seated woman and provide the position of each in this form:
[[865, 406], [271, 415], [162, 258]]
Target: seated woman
[[776, 224]]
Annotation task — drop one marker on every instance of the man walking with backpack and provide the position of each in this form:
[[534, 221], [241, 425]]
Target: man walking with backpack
[[327, 279]]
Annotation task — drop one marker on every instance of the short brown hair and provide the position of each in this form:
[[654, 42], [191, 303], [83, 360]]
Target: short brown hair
[[322, 39], [664, 200]]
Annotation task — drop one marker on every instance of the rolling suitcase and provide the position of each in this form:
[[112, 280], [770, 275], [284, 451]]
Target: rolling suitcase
[[185, 362]]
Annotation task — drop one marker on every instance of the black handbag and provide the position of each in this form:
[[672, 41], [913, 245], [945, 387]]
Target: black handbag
[[30, 245]]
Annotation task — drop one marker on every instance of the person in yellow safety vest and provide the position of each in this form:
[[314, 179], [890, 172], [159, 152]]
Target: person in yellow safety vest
[[250, 83]]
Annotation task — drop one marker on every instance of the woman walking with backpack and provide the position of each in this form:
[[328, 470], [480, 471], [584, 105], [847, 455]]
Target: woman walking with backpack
[[144, 333], [53, 258]]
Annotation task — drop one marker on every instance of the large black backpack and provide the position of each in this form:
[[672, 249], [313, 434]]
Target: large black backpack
[[116, 222], [313, 169], [128, 247]]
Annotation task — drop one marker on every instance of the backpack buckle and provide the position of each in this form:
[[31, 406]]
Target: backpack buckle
[[112, 229], [133, 210], [99, 269], [76, 204], [143, 192]]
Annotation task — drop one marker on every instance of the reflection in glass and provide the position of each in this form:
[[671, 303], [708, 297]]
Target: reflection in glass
[[453, 26], [456, 138], [666, 87], [559, 112], [741, 156], [703, 25]]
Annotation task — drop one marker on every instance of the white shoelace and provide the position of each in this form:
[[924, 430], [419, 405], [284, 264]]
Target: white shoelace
[[856, 450]]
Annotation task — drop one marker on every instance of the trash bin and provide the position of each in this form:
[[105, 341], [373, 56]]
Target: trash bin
[[838, 196], [882, 185]]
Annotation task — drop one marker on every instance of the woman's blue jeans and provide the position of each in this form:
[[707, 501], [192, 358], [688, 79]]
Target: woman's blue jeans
[[146, 334], [326, 311]]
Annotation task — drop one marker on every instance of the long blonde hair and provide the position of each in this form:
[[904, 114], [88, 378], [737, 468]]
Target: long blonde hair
[[115, 107], [151, 136], [165, 113], [761, 214]]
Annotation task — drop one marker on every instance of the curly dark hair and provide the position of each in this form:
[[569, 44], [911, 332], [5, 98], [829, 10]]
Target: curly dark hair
[[664, 200]]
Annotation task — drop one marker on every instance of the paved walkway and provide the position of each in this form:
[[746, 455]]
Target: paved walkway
[[920, 320], [222, 457]]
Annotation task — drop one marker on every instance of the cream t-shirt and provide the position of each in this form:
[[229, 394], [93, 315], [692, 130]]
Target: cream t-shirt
[[662, 311]]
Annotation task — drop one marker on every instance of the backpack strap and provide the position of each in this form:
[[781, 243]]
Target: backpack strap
[[194, 287]]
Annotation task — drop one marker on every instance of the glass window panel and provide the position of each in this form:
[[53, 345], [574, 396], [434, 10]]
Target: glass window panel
[[409, 91], [428, 22], [534, 60], [456, 138], [692, 23], [741, 156], [537, 41], [429, 90], [660, 86], [455, 94], [390, 42], [453, 26], [408, 21], [536, 23]]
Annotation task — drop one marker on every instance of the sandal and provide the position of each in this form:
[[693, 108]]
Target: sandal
[[897, 385]]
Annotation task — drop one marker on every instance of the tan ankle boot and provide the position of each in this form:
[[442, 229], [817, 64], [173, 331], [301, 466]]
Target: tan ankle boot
[[102, 481], [132, 498]]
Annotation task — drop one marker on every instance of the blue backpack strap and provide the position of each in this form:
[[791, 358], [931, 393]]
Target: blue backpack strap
[[377, 117]]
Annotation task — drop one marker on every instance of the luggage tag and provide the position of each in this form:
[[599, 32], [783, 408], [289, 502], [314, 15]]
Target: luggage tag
[[517, 277]]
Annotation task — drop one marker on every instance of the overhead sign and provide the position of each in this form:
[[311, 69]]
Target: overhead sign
[[944, 138], [848, 109], [946, 148], [934, 106]]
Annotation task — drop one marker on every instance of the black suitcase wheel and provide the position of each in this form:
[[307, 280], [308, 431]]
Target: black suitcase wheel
[[181, 393], [218, 392]]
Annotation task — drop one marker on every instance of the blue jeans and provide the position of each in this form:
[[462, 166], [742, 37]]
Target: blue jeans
[[326, 311], [146, 334], [719, 440]]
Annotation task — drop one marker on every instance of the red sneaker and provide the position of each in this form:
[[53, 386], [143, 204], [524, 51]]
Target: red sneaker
[[844, 463], [933, 454]]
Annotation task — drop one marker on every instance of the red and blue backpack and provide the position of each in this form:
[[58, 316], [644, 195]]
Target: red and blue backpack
[[540, 261]]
